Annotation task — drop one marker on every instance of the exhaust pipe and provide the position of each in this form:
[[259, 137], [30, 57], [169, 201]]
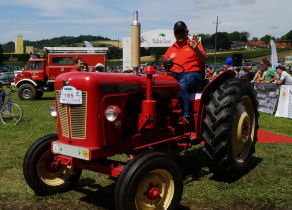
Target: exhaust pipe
[[135, 43]]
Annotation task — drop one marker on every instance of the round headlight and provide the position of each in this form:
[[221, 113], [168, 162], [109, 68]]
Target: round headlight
[[112, 113], [53, 111]]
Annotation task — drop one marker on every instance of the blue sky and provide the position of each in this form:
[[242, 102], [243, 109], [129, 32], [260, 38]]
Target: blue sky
[[44, 19]]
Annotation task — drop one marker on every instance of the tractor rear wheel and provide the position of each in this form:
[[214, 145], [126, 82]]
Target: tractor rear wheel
[[152, 180], [230, 127], [39, 173]]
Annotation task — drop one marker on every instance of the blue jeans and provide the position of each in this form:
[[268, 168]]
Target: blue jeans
[[189, 83]]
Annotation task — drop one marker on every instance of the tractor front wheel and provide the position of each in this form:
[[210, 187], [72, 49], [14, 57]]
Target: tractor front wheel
[[151, 180], [43, 177], [230, 127]]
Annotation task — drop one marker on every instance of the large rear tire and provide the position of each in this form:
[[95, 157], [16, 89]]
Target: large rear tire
[[39, 173], [230, 127], [150, 181], [27, 92]]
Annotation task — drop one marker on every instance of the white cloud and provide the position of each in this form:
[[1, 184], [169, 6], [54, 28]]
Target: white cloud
[[113, 18], [57, 8], [211, 3]]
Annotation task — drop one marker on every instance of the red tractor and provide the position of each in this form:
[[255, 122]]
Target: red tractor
[[100, 115]]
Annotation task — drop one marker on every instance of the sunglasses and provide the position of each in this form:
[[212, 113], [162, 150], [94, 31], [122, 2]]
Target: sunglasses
[[179, 31]]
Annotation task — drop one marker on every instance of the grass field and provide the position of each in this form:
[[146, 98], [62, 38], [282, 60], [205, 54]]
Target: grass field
[[266, 186]]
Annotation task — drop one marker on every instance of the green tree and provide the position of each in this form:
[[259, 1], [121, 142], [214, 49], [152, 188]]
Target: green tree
[[206, 39], [1, 55], [255, 39], [114, 52], [244, 36], [223, 41], [267, 38], [8, 47], [287, 36], [234, 36], [239, 36]]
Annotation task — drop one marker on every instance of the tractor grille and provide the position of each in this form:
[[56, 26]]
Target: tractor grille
[[73, 115]]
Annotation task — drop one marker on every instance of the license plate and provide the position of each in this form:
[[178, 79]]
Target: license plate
[[69, 95], [71, 151]]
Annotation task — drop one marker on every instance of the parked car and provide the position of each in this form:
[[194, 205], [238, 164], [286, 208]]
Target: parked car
[[6, 77]]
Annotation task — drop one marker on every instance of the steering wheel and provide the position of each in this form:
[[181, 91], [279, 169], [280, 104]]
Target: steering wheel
[[168, 63]]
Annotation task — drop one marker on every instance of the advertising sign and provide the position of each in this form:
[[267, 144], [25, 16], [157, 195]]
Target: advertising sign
[[267, 96], [285, 102]]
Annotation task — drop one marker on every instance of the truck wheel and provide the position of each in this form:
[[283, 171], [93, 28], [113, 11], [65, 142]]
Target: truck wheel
[[149, 181], [27, 92], [230, 127], [41, 176]]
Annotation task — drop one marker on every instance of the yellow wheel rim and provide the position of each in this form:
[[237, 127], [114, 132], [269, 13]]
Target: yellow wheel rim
[[155, 191], [244, 130], [53, 176]]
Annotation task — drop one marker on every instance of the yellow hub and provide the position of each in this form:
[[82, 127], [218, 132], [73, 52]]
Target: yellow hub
[[244, 130], [50, 175], [155, 191]]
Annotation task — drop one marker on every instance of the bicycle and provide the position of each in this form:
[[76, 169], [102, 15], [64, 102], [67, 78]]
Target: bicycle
[[10, 112]]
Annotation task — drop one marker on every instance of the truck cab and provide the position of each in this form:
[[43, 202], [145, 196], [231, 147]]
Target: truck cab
[[40, 74]]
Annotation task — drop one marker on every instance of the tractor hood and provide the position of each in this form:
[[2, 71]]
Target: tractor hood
[[116, 82]]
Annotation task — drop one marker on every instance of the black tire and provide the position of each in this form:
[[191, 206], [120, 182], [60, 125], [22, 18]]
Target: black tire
[[149, 181], [11, 115], [230, 127], [27, 92], [39, 94], [42, 179]]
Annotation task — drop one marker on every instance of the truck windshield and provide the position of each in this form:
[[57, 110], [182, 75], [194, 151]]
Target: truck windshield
[[34, 65]]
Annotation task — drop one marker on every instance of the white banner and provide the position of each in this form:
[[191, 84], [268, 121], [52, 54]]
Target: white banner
[[274, 56], [154, 38], [284, 108]]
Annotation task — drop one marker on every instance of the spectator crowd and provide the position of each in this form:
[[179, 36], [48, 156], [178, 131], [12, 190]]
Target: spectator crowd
[[260, 73]]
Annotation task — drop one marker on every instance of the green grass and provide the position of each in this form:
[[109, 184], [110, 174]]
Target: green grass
[[266, 186], [276, 124]]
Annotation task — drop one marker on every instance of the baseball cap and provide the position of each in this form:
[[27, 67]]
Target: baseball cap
[[179, 26], [99, 65]]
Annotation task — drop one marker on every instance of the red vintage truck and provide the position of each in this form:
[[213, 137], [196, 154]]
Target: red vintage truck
[[40, 73]]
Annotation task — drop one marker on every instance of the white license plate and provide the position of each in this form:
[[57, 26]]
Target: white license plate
[[71, 151], [69, 95]]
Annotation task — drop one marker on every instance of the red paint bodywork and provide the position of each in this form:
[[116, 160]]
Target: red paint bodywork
[[140, 98]]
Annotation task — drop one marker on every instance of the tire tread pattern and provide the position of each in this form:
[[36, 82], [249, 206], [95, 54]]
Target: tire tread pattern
[[217, 125]]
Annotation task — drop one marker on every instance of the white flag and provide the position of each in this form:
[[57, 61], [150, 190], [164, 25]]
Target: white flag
[[274, 56]]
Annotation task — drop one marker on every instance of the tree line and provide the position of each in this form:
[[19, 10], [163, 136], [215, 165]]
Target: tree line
[[54, 42], [224, 41]]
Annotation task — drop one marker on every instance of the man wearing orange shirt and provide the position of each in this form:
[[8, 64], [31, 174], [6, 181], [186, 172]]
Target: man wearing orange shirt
[[191, 55]]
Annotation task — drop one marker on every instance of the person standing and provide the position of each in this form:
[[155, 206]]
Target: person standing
[[241, 73], [99, 67], [79, 62], [284, 77], [191, 55], [85, 67], [250, 74], [270, 74]]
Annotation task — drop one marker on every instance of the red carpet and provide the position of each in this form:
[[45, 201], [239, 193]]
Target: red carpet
[[268, 137]]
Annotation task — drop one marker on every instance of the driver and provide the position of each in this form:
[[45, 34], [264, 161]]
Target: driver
[[191, 55]]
